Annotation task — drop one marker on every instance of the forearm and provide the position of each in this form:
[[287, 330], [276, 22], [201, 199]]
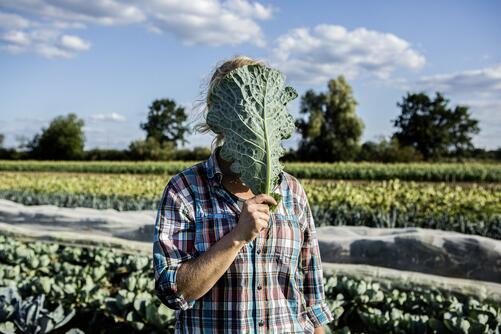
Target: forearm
[[208, 267]]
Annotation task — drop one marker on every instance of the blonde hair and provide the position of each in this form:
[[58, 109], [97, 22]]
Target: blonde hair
[[222, 68]]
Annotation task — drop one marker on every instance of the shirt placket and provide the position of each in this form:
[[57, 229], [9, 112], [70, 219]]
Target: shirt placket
[[260, 291], [259, 276]]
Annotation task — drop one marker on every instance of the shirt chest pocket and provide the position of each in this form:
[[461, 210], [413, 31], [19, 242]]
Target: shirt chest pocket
[[211, 227], [287, 238]]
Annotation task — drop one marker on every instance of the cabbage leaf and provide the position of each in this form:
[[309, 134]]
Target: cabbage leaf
[[248, 106]]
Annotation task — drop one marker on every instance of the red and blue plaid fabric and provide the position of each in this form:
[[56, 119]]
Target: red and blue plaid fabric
[[275, 283]]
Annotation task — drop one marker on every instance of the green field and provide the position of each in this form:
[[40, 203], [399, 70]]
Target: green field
[[98, 287], [468, 208], [436, 172], [114, 292]]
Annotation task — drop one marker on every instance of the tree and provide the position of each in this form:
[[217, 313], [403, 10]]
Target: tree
[[62, 140], [432, 128], [2, 138], [333, 130], [165, 122], [23, 143]]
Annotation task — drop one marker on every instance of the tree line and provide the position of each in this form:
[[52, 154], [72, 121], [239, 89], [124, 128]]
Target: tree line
[[427, 129]]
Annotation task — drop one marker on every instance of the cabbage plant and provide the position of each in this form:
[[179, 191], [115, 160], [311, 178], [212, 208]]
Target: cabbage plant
[[248, 106]]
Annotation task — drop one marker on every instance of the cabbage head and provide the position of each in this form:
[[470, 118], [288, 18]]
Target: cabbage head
[[248, 106]]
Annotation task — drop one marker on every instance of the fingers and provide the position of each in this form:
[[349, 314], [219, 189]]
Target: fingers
[[261, 208], [263, 199], [261, 218], [252, 207]]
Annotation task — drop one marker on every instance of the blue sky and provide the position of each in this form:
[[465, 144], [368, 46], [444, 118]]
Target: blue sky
[[107, 61]]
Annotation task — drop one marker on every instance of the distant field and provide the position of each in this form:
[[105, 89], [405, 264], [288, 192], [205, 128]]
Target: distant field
[[439, 172], [472, 208]]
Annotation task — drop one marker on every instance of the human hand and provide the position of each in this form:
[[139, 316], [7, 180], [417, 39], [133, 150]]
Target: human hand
[[254, 217]]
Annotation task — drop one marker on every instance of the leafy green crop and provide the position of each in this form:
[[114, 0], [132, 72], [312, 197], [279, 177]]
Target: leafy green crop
[[467, 208], [248, 106], [112, 292], [29, 315]]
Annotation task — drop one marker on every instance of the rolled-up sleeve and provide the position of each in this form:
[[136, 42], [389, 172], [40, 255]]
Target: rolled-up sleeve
[[311, 264], [172, 245]]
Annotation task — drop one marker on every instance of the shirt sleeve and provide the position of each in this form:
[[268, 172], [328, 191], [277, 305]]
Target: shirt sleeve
[[313, 289], [172, 245]]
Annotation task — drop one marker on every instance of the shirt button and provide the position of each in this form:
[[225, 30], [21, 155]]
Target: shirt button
[[261, 323], [258, 251], [259, 287]]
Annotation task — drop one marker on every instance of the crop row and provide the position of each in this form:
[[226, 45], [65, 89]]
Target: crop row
[[476, 201], [114, 292], [446, 172], [471, 209], [488, 225]]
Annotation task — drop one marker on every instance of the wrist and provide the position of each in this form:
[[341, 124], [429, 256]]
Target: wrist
[[237, 240]]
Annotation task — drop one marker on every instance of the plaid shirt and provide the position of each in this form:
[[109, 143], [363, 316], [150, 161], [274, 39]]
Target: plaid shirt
[[275, 283]]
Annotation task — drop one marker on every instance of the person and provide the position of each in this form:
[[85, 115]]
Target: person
[[227, 264]]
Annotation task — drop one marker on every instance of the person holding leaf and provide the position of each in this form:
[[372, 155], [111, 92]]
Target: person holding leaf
[[235, 247]]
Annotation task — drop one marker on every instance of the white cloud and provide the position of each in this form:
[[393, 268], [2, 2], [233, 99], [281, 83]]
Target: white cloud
[[45, 35], [488, 112], [64, 25], [42, 39], [13, 21], [111, 117], [12, 48], [16, 37], [74, 43], [316, 55], [481, 81], [207, 22], [109, 12], [93, 130], [19, 35], [486, 105], [50, 51], [246, 8]]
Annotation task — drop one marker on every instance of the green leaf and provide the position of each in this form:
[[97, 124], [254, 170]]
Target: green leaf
[[248, 106], [277, 198]]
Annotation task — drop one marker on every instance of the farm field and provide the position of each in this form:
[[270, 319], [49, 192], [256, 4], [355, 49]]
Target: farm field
[[473, 208], [99, 287], [448, 172], [115, 292]]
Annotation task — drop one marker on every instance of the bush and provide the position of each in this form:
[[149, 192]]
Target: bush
[[151, 149], [388, 151], [197, 153], [104, 154]]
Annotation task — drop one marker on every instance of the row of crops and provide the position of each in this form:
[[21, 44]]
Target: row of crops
[[446, 172], [93, 290], [467, 208]]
